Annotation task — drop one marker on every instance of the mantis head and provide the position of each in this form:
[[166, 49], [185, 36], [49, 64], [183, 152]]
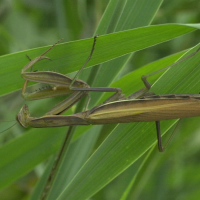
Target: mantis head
[[23, 116]]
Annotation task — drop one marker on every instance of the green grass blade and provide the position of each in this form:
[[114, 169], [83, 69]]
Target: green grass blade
[[20, 155]]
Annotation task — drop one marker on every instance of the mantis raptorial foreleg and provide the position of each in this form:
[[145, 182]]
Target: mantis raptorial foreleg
[[62, 85], [59, 81]]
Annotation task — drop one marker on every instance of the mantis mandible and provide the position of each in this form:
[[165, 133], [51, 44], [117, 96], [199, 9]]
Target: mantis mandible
[[140, 106]]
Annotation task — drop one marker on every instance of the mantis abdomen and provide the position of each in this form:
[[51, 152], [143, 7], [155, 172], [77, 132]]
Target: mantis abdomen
[[141, 110]]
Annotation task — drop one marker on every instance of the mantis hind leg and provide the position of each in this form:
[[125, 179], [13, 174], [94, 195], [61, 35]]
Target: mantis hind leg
[[159, 137]]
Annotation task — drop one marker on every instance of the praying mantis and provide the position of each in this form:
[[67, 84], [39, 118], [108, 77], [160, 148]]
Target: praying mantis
[[140, 106]]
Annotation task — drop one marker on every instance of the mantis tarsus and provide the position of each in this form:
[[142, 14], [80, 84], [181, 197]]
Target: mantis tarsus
[[139, 106]]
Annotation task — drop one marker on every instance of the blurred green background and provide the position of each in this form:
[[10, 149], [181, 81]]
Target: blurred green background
[[30, 24], [27, 24]]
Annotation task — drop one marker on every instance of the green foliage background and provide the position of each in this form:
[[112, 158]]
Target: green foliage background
[[126, 164]]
